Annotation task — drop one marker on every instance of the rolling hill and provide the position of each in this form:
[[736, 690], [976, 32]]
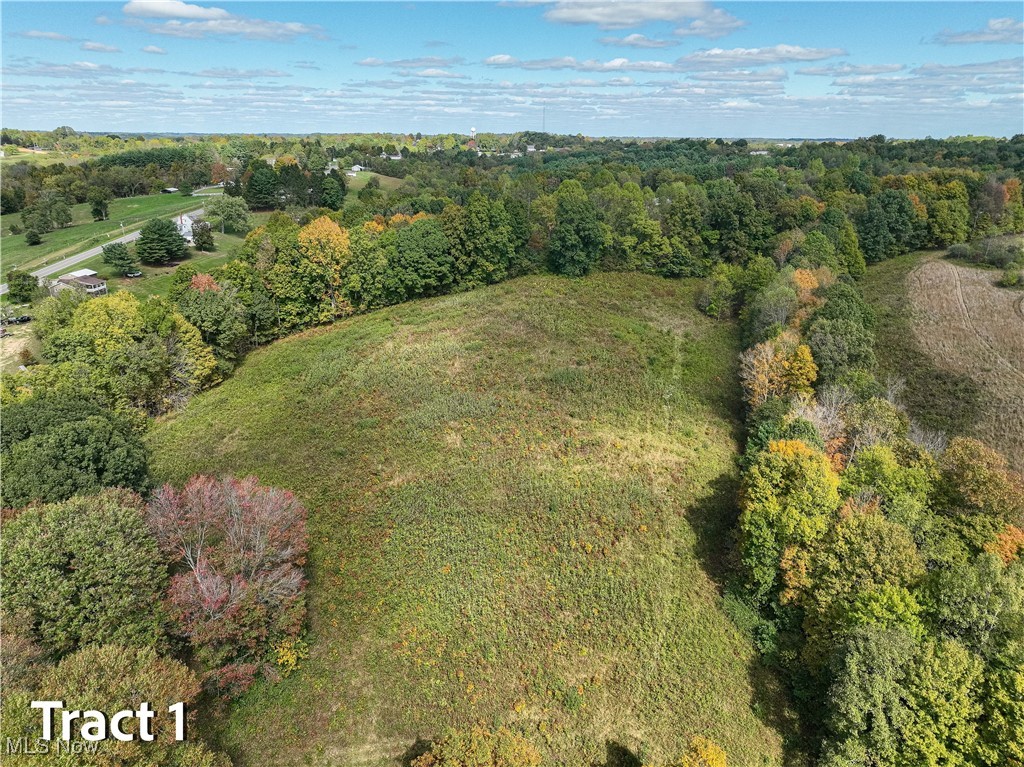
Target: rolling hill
[[520, 500]]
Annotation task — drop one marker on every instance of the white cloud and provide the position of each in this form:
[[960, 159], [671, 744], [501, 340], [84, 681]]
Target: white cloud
[[35, 34], [229, 73], [622, 15], [715, 24], [590, 65], [414, 63], [638, 41], [740, 57], [432, 72], [501, 60], [838, 70], [154, 49], [949, 82], [773, 74], [174, 18], [1005, 30], [172, 9], [99, 47], [250, 29], [716, 59], [698, 17]]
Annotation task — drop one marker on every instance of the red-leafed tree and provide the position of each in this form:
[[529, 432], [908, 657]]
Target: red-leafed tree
[[238, 549]]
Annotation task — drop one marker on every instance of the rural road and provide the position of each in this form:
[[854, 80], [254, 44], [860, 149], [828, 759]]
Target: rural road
[[85, 255]]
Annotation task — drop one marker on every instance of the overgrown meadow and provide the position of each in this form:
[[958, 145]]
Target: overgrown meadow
[[520, 499]]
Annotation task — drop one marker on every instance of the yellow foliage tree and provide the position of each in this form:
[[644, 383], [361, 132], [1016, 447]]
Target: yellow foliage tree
[[778, 368], [800, 370], [326, 245]]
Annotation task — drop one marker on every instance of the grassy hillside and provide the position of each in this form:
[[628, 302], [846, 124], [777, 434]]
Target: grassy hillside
[[520, 498]]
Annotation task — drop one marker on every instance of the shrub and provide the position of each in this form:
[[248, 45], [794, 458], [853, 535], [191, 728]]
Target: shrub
[[84, 572], [960, 250], [55, 446], [1011, 278], [481, 747]]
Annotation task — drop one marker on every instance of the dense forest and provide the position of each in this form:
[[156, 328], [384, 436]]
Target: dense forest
[[878, 564]]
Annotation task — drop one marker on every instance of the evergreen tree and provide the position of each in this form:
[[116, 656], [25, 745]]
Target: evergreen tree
[[119, 256], [160, 242], [262, 190]]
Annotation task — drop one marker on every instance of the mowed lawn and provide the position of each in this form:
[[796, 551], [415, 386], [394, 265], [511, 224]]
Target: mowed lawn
[[520, 498], [354, 183], [84, 233]]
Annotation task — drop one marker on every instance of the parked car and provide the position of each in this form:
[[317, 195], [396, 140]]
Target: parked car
[[133, 273], [21, 319]]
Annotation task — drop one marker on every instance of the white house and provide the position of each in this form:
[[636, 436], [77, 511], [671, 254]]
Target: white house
[[185, 227], [357, 168], [80, 279]]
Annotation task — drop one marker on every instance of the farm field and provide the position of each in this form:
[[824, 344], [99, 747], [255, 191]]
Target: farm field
[[84, 233], [960, 347], [520, 500]]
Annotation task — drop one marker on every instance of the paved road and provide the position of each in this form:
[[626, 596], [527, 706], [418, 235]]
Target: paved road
[[85, 255]]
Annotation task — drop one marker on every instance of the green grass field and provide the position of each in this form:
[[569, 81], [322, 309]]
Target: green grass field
[[13, 156], [362, 178], [520, 504], [84, 233]]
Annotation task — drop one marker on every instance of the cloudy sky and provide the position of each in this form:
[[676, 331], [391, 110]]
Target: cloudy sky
[[776, 69]]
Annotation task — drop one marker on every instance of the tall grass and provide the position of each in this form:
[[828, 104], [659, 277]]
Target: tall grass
[[520, 500]]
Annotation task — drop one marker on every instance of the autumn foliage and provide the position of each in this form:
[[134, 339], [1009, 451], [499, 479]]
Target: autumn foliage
[[238, 550]]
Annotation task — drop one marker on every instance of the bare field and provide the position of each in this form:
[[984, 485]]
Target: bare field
[[970, 327]]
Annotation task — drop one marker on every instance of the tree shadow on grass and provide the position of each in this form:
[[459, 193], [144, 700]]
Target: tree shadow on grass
[[617, 755], [415, 751], [714, 518]]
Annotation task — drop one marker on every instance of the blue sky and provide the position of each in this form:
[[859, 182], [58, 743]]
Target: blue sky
[[776, 69]]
